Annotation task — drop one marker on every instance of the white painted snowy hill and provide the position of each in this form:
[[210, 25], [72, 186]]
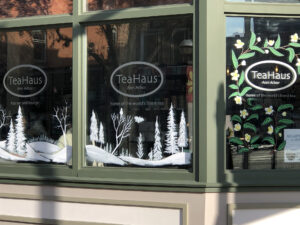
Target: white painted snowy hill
[[61, 156], [44, 147], [94, 153], [178, 159], [31, 155]]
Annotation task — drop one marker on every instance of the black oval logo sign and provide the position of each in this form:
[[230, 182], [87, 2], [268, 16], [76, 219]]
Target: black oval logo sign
[[137, 79], [25, 81], [270, 75]]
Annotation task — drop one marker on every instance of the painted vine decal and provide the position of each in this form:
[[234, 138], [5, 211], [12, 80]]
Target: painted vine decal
[[274, 119]]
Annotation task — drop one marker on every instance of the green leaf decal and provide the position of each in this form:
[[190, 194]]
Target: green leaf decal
[[291, 54], [275, 52], [236, 140], [298, 70], [278, 42], [236, 118], [266, 43], [233, 86], [254, 139], [258, 49], [245, 90], [296, 45], [267, 121], [234, 94], [234, 60], [255, 146], [269, 139], [250, 100], [243, 150], [285, 106], [279, 128], [253, 116], [247, 55], [252, 40], [281, 146], [242, 78], [256, 107], [286, 121], [249, 126]]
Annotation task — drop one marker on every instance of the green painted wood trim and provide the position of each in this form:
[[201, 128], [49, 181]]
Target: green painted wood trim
[[40, 197], [39, 221], [138, 12], [35, 21], [262, 8]]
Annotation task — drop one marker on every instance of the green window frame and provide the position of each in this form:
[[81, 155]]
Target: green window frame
[[127, 178]]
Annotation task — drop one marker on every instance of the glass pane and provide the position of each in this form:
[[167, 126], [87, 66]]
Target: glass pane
[[262, 83], [140, 93], [36, 95], [121, 4], [272, 1], [17, 8]]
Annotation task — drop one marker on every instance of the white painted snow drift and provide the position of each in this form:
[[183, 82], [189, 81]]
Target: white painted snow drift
[[31, 155], [61, 156], [94, 153], [44, 147], [178, 159]]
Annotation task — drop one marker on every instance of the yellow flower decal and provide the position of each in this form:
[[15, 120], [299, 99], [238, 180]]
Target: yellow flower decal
[[283, 113], [247, 137], [238, 100], [239, 43], [271, 42], [235, 75], [269, 110], [280, 134], [294, 37], [270, 129], [237, 127], [244, 113], [298, 62]]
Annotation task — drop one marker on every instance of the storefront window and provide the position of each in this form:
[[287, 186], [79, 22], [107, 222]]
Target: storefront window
[[117, 4], [36, 96], [16, 8], [262, 82], [140, 93]]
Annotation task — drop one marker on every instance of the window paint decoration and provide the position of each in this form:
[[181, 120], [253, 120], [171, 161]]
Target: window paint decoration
[[260, 94], [172, 155]]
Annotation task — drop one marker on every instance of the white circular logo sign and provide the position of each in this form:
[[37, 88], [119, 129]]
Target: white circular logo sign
[[137, 79], [270, 75], [25, 81]]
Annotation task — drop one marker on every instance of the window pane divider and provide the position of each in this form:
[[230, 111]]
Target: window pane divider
[[134, 13], [262, 8], [35, 21]]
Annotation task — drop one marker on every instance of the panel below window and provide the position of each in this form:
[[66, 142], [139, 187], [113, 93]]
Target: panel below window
[[262, 83], [36, 96], [140, 93]]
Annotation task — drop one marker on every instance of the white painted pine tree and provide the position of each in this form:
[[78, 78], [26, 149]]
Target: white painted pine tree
[[157, 148], [140, 150], [101, 134], [182, 139], [151, 154], [171, 135], [11, 138], [93, 128], [20, 135]]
